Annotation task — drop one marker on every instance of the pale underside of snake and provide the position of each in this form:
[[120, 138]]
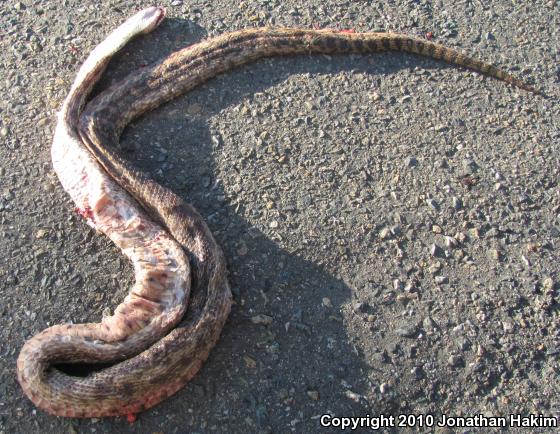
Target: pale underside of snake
[[154, 342]]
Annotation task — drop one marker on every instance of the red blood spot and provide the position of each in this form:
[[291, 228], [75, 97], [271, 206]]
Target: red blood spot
[[86, 213], [72, 49], [347, 31], [429, 36], [131, 417]]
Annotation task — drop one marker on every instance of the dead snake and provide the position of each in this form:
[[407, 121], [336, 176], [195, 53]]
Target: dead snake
[[168, 242]]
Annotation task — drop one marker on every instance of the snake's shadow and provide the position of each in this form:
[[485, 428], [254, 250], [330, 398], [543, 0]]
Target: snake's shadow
[[261, 368]]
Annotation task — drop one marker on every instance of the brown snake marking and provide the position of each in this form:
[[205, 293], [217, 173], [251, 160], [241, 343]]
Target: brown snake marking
[[188, 68], [157, 372]]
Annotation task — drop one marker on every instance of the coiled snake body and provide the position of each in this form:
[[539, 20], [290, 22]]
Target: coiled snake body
[[156, 343]]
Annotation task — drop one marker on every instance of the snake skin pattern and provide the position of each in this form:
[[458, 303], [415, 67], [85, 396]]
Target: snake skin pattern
[[155, 346]]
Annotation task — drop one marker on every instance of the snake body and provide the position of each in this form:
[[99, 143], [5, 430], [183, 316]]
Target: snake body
[[157, 344]]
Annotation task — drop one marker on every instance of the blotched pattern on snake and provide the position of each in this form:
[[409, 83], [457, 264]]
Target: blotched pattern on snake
[[156, 343]]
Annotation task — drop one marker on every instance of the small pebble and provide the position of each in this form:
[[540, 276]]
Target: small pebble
[[216, 140], [450, 242], [456, 203], [313, 394], [385, 233], [470, 166], [360, 306], [474, 233], [403, 299], [406, 331], [243, 249], [352, 395], [495, 254], [434, 268], [455, 361], [428, 324], [548, 284], [411, 162], [250, 362], [42, 122], [410, 287], [432, 204], [463, 344], [261, 319], [435, 250], [458, 255], [507, 326], [194, 109], [384, 388], [417, 372], [41, 233]]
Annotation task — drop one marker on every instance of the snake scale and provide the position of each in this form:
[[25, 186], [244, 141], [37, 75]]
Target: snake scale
[[164, 330]]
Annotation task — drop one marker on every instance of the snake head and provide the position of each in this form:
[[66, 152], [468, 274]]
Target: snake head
[[151, 18]]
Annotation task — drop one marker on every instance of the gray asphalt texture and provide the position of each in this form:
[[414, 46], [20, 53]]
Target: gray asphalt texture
[[391, 224]]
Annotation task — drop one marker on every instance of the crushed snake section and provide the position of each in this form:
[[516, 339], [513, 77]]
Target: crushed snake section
[[158, 299], [152, 373], [159, 294]]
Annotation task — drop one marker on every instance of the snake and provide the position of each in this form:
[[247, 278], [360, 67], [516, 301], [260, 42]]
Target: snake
[[161, 334]]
